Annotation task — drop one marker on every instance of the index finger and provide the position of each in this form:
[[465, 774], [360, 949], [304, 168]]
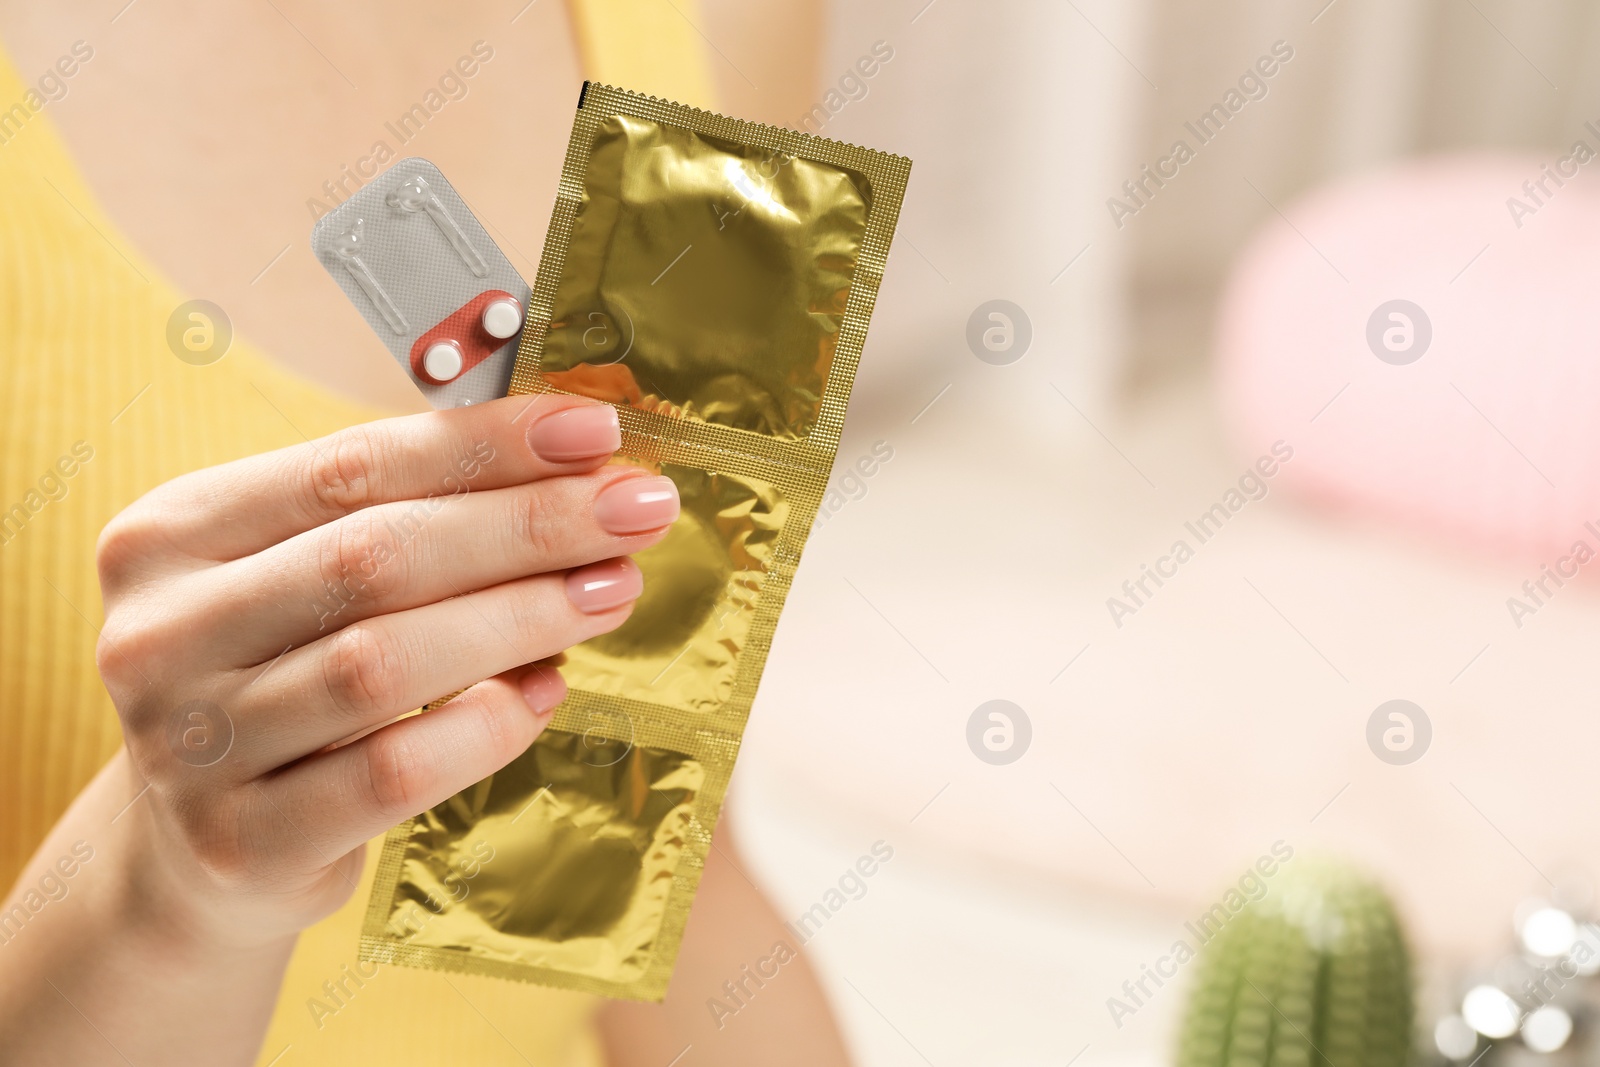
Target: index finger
[[239, 508]]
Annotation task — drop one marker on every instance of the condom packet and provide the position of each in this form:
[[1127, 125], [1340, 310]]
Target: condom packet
[[713, 279]]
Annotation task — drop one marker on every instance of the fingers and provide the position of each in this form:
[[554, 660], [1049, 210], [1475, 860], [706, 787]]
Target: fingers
[[394, 557], [242, 507], [367, 674], [339, 799]]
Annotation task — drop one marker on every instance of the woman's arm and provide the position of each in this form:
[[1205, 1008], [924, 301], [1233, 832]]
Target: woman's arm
[[111, 967], [743, 993], [266, 720]]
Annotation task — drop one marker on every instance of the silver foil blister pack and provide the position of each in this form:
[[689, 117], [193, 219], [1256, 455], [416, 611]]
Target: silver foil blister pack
[[422, 270]]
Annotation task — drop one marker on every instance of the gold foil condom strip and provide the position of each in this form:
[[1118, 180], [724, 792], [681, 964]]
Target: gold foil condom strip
[[576, 865], [683, 645], [886, 175], [705, 278]]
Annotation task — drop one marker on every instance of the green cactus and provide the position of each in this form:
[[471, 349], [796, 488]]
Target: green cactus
[[1314, 974]]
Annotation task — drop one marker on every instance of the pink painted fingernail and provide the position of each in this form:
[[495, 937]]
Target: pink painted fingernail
[[584, 432], [635, 505], [605, 585], [543, 688]]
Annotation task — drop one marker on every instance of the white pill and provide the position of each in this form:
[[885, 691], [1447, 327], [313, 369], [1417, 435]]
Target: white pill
[[442, 362], [503, 318]]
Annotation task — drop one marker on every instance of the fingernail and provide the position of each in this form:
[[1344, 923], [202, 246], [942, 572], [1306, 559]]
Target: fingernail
[[543, 688], [584, 432], [635, 505], [605, 585]]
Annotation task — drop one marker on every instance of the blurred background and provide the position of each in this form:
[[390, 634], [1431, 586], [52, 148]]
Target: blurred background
[[1338, 345]]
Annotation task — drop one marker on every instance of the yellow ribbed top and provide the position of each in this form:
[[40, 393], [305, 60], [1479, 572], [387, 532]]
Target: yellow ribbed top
[[88, 382]]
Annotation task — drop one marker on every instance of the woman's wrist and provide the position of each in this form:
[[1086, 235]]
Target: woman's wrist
[[156, 893], [130, 942]]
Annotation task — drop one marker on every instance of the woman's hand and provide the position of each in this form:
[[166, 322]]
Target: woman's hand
[[261, 614], [270, 623]]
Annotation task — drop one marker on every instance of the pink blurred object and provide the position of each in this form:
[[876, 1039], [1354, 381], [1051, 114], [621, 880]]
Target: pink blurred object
[[1490, 436]]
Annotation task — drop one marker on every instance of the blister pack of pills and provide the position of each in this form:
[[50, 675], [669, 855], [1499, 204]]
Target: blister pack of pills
[[422, 270], [712, 279]]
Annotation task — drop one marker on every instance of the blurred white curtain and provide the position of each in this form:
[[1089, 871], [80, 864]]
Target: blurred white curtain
[[1025, 116], [1018, 115], [1371, 81]]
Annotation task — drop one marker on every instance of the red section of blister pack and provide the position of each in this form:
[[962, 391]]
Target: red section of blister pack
[[466, 337]]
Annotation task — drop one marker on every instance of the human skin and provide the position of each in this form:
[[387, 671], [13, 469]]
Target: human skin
[[171, 190], [484, 540], [212, 185]]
